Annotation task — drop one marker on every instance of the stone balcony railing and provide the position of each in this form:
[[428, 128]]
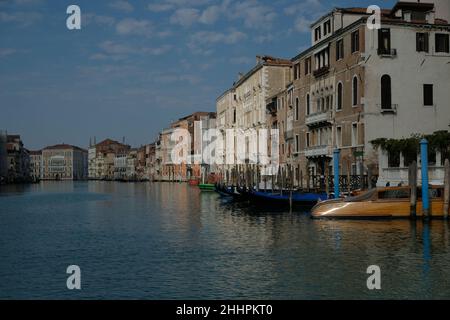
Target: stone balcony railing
[[318, 151], [318, 118]]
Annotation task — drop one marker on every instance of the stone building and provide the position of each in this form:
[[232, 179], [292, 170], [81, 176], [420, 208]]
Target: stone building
[[349, 87], [353, 85], [243, 107], [18, 160], [64, 162], [150, 161], [36, 165], [102, 157], [189, 151], [3, 156]]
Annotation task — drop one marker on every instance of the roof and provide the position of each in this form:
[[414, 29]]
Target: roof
[[198, 114], [408, 5], [64, 146], [35, 153], [264, 61], [107, 142], [351, 10]]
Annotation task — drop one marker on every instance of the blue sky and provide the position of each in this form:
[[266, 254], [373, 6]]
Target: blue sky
[[135, 65]]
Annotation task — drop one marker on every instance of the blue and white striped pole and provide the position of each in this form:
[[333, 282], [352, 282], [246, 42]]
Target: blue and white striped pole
[[336, 156], [425, 194]]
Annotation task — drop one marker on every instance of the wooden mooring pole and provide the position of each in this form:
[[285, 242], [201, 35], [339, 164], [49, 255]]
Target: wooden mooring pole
[[412, 178], [446, 188]]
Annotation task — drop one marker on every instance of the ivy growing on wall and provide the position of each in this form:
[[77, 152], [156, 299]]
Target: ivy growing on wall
[[439, 141]]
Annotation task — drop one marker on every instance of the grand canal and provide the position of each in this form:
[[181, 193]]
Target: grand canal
[[169, 241]]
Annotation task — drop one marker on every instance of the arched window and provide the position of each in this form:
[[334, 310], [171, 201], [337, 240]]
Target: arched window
[[355, 91], [339, 96], [297, 107], [308, 104], [386, 92]]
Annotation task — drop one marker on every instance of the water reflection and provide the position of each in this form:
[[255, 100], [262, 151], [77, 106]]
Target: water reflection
[[169, 240]]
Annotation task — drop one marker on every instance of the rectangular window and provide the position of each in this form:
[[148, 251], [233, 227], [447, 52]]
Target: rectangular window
[[308, 142], [297, 143], [297, 71], [327, 27], [340, 49], [384, 41], [354, 134], [307, 66], [355, 41], [428, 95], [442, 42], [339, 137], [317, 33], [422, 42]]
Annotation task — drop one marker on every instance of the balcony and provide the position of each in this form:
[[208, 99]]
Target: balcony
[[318, 151], [322, 71], [319, 118], [387, 53]]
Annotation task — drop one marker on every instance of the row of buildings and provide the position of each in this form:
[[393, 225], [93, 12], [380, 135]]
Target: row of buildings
[[356, 83], [353, 85], [58, 162]]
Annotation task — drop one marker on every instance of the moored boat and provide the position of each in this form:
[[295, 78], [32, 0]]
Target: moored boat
[[388, 202], [299, 198]]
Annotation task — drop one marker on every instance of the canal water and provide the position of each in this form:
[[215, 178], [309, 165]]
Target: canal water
[[169, 241]]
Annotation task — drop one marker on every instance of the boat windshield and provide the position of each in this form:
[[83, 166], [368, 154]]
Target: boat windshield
[[362, 197]]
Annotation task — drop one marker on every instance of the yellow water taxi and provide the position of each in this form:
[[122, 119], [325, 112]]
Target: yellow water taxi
[[388, 202]]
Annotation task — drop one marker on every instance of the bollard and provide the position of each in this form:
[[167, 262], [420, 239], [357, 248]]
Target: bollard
[[425, 194], [336, 156]]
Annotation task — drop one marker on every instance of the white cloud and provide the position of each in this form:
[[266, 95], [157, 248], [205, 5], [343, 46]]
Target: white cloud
[[132, 26], [210, 15], [185, 17], [23, 19], [254, 14], [4, 52], [91, 18], [211, 37], [302, 24], [241, 60], [122, 5], [160, 7], [111, 50]]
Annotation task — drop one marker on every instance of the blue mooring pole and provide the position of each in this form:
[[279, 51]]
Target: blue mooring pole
[[425, 194], [336, 156]]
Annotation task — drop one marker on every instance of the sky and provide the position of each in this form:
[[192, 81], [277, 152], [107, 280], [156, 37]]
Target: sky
[[135, 66]]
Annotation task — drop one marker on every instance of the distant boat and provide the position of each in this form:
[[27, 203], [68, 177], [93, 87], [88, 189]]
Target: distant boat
[[299, 198], [388, 202], [234, 192], [207, 187], [194, 182]]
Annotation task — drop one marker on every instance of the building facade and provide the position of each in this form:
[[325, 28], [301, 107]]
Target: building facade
[[36, 165], [64, 162], [3, 156], [102, 158], [18, 160], [189, 151], [243, 108], [354, 85]]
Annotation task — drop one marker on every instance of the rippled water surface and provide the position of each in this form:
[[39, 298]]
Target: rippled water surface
[[169, 241]]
